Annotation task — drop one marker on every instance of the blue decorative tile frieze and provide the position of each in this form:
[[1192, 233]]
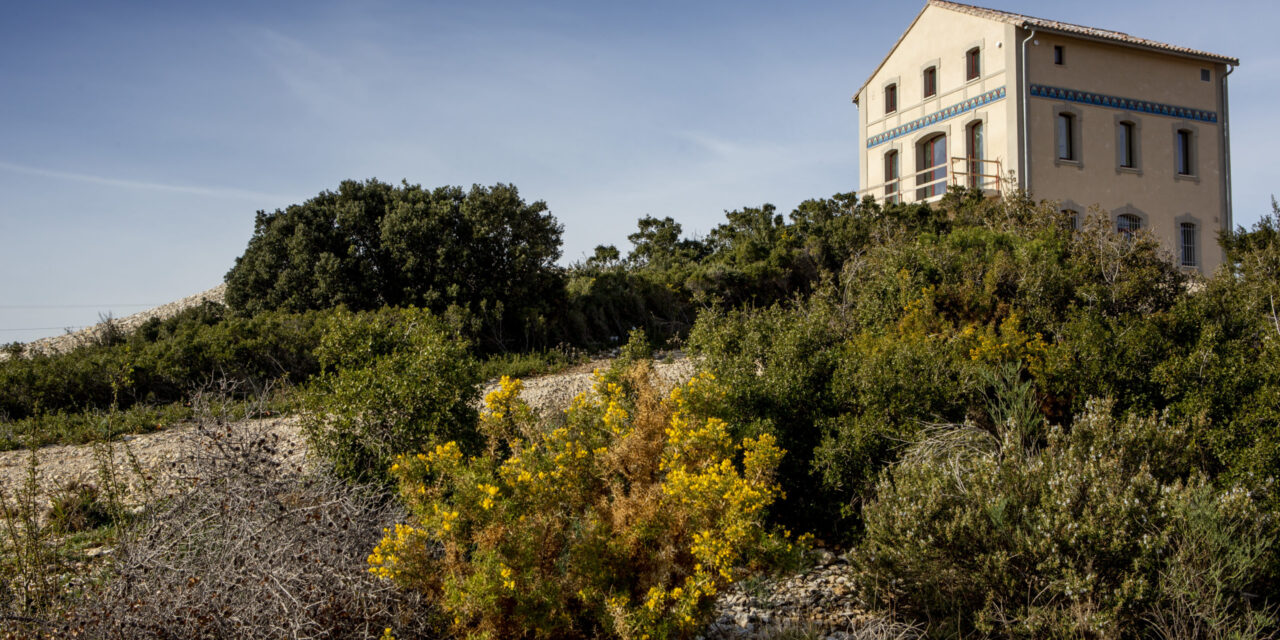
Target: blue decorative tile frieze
[[937, 116], [1128, 104]]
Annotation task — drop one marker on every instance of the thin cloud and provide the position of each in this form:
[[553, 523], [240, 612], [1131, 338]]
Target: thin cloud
[[322, 82], [215, 192]]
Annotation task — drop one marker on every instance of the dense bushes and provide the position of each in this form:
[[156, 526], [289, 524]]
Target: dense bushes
[[1107, 529], [162, 362], [393, 381], [625, 521], [923, 328], [370, 244]]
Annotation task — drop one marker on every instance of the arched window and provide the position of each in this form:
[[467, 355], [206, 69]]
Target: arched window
[[1128, 224], [1188, 245], [973, 154], [930, 82], [931, 164], [973, 64]]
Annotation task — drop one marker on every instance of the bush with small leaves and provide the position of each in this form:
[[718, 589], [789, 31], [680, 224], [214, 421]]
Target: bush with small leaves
[[625, 521], [1093, 535], [394, 381]]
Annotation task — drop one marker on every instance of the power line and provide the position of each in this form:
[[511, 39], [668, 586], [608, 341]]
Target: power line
[[50, 328], [70, 306]]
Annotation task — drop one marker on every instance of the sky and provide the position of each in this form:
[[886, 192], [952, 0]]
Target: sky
[[138, 139]]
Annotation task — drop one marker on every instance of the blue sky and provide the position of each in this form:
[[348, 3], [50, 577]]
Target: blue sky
[[138, 139]]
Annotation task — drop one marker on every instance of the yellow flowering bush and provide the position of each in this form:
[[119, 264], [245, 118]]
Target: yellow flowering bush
[[1007, 343], [623, 518]]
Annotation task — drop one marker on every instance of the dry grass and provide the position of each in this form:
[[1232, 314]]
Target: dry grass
[[251, 549]]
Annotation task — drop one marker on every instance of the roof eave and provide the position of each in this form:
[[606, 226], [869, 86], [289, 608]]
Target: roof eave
[[1136, 45]]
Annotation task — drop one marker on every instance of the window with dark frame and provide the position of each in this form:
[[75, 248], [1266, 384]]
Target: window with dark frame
[[1183, 148], [1066, 139], [975, 154], [1125, 144], [930, 82], [1204, 75], [973, 64], [1057, 54], [891, 177], [891, 98], [931, 163], [1188, 244]]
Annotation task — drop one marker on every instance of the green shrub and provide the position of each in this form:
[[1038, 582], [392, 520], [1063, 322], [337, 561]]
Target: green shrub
[[978, 530], [626, 521], [776, 367], [394, 381], [371, 244], [163, 362]]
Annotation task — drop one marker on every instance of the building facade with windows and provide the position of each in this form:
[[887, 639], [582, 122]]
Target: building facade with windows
[[1092, 119]]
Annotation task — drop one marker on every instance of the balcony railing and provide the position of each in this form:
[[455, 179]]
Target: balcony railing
[[929, 184]]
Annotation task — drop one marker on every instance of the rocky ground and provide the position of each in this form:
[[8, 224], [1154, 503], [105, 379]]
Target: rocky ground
[[818, 602]]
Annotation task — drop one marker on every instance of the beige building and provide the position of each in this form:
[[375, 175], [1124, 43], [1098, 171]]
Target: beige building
[[1081, 116]]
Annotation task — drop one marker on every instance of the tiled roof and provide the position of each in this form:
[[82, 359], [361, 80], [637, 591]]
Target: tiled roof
[[1029, 22]]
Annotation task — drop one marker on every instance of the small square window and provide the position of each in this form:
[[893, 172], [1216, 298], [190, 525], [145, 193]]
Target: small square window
[[1058, 57], [1204, 75]]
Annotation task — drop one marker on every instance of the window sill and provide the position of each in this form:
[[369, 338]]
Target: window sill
[[1062, 162], [1137, 171], [1186, 177]]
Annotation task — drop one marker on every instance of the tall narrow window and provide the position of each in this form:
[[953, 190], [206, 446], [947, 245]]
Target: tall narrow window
[[1128, 224], [891, 98], [1066, 137], [1182, 146], [1124, 143], [974, 155], [930, 82], [891, 177], [1058, 55], [1188, 244], [973, 64], [931, 164]]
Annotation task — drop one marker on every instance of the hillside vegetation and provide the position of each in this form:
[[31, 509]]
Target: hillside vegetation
[[1016, 429]]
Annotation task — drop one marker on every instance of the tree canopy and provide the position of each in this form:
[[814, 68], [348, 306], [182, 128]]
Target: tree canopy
[[371, 244]]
